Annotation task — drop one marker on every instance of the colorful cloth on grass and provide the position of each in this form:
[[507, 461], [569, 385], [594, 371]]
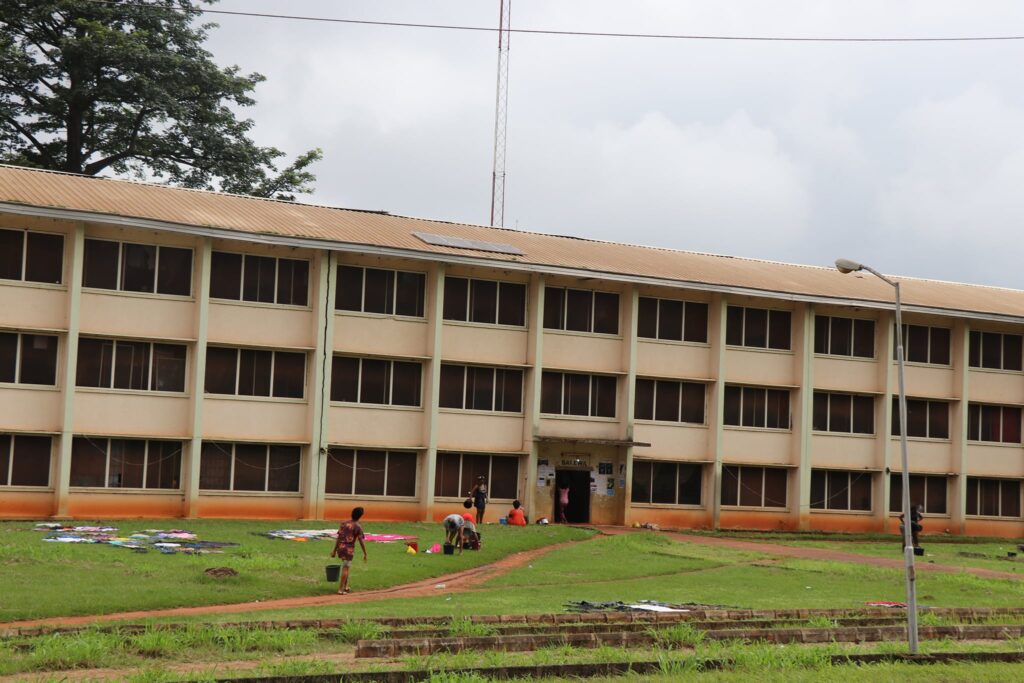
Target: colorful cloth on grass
[[168, 542], [312, 534]]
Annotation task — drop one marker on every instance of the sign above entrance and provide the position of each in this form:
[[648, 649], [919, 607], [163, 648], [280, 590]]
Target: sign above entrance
[[575, 460]]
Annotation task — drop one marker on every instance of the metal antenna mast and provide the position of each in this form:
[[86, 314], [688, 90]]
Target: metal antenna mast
[[500, 117]]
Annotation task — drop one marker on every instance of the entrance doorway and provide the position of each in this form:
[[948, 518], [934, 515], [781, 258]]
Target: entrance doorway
[[578, 481]]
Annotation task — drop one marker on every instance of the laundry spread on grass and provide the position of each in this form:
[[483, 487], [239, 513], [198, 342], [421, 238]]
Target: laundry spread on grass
[[331, 534], [638, 606], [167, 542]]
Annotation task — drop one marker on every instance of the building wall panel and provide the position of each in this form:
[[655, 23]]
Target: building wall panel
[[136, 414], [995, 461], [119, 314], [356, 425], [996, 387], [843, 452], [927, 381], [757, 519], [26, 306], [124, 505], [378, 509], [377, 335], [588, 353], [668, 359], [1008, 528], [848, 375], [672, 518], [580, 429], [250, 507], [924, 456], [479, 432], [670, 442], [756, 446], [484, 344], [30, 409], [768, 368], [266, 326], [845, 523], [25, 504], [254, 420]]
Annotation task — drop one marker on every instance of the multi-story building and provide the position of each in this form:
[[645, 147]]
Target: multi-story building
[[166, 352]]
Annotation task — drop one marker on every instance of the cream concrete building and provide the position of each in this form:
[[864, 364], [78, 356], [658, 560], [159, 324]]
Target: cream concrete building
[[166, 352]]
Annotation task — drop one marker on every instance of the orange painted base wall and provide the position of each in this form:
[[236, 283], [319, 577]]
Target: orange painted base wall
[[83, 505], [756, 519], [25, 504], [673, 519], [851, 524]]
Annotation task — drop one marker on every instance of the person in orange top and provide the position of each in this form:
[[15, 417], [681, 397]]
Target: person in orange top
[[516, 516]]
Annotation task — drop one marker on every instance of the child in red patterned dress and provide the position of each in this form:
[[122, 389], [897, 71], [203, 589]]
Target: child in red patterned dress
[[344, 548]]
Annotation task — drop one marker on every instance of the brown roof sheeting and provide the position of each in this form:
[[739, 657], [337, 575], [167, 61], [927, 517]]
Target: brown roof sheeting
[[130, 200]]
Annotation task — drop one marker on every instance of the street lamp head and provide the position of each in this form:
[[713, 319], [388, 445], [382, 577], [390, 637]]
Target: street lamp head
[[844, 265]]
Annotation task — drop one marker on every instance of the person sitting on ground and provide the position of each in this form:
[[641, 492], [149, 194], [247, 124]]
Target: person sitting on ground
[[455, 528], [344, 548], [516, 516]]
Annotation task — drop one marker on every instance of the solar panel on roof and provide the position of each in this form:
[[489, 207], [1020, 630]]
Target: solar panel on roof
[[462, 243]]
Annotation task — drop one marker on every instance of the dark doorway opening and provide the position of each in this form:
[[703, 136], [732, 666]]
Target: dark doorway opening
[[578, 482]]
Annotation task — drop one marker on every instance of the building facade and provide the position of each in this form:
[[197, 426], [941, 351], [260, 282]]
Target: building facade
[[170, 353]]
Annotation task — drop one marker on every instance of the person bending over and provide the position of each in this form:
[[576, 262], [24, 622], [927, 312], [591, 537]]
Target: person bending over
[[455, 530], [344, 548]]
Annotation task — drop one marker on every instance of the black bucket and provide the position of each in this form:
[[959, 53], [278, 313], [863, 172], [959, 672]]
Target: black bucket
[[449, 549], [333, 572], [919, 551]]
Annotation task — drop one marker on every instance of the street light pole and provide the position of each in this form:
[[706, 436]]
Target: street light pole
[[847, 266]]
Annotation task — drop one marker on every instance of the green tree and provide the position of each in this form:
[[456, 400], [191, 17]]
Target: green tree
[[88, 86]]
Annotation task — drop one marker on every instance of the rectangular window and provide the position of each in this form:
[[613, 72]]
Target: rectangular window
[[669, 401], [480, 388], [846, 413], [756, 407], [758, 328], [484, 301], [925, 419], [926, 490], [994, 350], [262, 279], [142, 366], [31, 256], [581, 310], [125, 463], [456, 474], [922, 344], [672, 320], [28, 358], [130, 267], [853, 337], [249, 467], [253, 372], [993, 497], [1000, 424], [567, 393], [371, 472], [25, 460], [840, 490], [754, 486], [376, 290], [667, 483], [376, 381]]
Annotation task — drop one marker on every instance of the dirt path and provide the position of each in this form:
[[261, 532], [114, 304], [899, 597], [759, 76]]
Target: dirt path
[[826, 554], [458, 581]]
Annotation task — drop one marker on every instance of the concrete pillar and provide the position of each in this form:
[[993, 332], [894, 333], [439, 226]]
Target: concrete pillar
[[959, 355], [629, 422], [319, 386], [532, 391], [192, 451], [886, 447], [62, 470], [432, 388], [803, 413], [716, 404]]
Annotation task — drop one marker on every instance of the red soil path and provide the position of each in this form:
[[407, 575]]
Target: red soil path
[[472, 578]]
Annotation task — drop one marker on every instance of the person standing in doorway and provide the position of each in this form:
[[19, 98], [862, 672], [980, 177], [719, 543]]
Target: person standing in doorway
[[344, 548], [479, 496], [563, 501]]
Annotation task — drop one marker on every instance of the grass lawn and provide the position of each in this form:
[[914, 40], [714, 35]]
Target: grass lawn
[[653, 567], [39, 579]]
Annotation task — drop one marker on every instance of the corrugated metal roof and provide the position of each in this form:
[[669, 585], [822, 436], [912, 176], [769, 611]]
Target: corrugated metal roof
[[346, 227]]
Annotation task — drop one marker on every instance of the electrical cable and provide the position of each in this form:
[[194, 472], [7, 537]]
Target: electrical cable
[[588, 34]]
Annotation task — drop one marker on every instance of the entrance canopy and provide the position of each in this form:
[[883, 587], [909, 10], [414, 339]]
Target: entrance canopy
[[594, 442]]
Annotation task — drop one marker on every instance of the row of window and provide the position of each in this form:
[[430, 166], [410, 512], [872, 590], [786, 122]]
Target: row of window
[[156, 464]]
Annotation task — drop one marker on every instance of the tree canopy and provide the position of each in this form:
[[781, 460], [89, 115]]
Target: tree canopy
[[88, 86]]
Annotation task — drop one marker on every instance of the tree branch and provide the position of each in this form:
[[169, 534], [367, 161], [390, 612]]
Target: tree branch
[[28, 136], [97, 166]]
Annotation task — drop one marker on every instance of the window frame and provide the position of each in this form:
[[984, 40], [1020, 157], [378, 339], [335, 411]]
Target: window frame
[[896, 484], [686, 304], [976, 353], [681, 384], [739, 487], [894, 421], [390, 387], [591, 378], [23, 278], [744, 389], [853, 431], [827, 336], [151, 375], [19, 359], [273, 360], [767, 331], [490, 478], [494, 388], [979, 420], [500, 286], [932, 345], [145, 464], [7, 478], [266, 474], [241, 300], [978, 493], [850, 476], [387, 472], [119, 268], [699, 467], [422, 305], [591, 314]]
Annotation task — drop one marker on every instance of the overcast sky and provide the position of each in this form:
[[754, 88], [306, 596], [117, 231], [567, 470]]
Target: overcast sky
[[908, 157]]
